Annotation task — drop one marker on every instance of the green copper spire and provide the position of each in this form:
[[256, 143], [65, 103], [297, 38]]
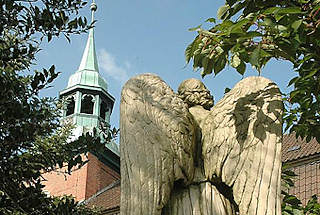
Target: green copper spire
[[89, 59], [88, 103], [88, 71]]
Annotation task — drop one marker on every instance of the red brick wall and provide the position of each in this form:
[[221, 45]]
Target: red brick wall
[[99, 176], [307, 182], [108, 200], [82, 183], [58, 184]]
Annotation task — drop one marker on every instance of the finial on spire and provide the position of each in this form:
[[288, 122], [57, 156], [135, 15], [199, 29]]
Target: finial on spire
[[93, 8]]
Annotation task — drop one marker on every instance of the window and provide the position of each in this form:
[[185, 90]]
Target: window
[[87, 104], [103, 110], [70, 106]]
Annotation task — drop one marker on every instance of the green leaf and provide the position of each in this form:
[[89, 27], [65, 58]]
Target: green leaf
[[292, 200], [292, 81], [236, 8], [294, 93], [195, 28], [190, 50], [223, 11], [52, 69], [35, 83], [45, 72], [289, 10], [219, 64], [270, 10], [251, 35], [41, 76], [264, 54], [204, 63], [231, 2], [278, 17], [207, 65], [197, 61], [312, 73], [212, 20], [281, 27], [287, 48], [255, 56], [224, 25], [80, 22], [296, 24], [268, 22], [235, 61], [241, 69], [235, 28], [297, 212], [49, 37]]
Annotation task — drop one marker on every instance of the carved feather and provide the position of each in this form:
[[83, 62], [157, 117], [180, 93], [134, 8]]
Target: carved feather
[[242, 143], [157, 144]]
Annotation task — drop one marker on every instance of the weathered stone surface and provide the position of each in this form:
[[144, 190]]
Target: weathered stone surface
[[180, 155]]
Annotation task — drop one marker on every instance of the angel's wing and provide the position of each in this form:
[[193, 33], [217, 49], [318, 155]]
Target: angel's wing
[[242, 143], [157, 144]]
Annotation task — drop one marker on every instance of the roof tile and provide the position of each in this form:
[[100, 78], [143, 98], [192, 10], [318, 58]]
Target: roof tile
[[294, 148]]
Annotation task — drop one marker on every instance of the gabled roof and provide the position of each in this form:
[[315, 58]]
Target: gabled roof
[[296, 148]]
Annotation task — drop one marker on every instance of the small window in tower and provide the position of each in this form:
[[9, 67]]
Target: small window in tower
[[103, 110], [87, 104], [70, 106]]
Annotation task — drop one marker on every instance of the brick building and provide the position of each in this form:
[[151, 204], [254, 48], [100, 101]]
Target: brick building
[[108, 199], [88, 106], [97, 174], [304, 158]]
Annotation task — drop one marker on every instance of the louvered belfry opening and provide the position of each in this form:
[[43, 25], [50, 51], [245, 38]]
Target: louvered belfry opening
[[70, 106], [87, 104]]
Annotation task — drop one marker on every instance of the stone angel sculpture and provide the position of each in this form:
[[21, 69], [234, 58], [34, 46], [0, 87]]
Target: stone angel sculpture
[[180, 155]]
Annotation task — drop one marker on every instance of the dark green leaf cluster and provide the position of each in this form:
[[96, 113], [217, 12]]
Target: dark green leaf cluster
[[49, 18], [32, 141], [255, 31]]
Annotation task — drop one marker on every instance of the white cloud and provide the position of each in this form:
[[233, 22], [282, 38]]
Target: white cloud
[[108, 65]]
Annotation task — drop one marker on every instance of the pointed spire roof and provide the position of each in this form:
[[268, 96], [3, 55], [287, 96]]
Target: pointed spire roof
[[89, 58], [88, 71]]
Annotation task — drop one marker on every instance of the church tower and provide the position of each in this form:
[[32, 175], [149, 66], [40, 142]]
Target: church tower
[[88, 106], [88, 102]]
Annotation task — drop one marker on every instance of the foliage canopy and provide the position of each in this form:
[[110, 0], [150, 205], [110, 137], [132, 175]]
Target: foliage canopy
[[255, 31]]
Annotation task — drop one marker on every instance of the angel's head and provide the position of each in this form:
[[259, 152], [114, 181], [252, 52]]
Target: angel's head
[[194, 92]]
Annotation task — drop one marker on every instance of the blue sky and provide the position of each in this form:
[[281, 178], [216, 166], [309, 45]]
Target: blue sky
[[141, 36]]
